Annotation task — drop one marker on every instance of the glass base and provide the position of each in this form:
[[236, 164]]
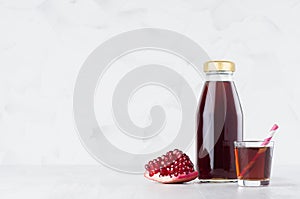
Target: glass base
[[253, 183], [217, 180]]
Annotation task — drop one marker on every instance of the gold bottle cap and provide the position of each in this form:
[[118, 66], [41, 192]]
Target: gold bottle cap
[[211, 66]]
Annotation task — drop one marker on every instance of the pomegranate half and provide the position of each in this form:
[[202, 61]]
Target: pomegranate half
[[173, 167]]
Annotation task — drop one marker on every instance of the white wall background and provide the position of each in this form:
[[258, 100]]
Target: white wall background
[[43, 44]]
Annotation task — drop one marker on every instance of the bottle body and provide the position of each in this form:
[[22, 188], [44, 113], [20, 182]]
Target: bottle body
[[219, 124]]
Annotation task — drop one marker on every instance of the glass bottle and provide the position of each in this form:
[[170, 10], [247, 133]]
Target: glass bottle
[[219, 123]]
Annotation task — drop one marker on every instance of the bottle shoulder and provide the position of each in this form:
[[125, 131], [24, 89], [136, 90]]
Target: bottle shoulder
[[219, 95]]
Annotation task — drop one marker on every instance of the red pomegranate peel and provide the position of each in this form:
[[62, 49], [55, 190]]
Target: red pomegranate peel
[[260, 151]]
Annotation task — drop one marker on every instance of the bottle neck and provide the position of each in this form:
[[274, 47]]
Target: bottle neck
[[219, 76]]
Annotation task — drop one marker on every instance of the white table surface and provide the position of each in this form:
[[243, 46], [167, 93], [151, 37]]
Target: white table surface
[[97, 182]]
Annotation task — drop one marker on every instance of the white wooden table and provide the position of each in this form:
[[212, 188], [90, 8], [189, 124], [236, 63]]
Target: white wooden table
[[90, 182]]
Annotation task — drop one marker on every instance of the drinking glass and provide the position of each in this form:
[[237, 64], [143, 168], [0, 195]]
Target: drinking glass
[[253, 162]]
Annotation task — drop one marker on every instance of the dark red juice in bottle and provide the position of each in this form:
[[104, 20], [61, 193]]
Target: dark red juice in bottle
[[219, 123]]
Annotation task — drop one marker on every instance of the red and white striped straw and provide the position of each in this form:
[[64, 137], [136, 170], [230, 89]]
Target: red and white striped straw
[[271, 134]]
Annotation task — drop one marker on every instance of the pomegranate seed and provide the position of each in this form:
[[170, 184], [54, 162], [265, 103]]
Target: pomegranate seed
[[147, 167], [166, 159], [163, 171], [151, 174], [176, 168]]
